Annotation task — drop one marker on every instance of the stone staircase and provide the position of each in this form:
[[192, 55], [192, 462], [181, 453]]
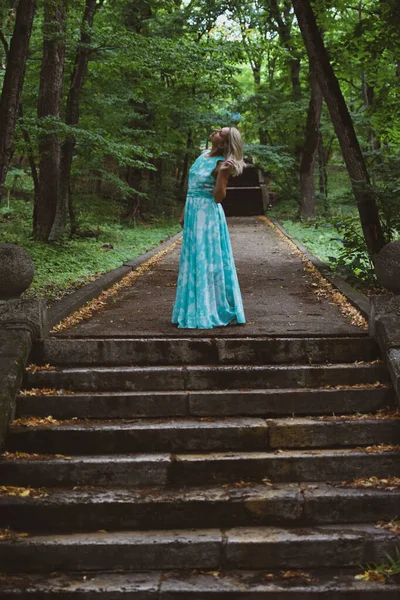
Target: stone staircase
[[199, 468]]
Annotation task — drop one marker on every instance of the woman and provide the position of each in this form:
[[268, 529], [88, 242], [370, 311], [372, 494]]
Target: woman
[[208, 293]]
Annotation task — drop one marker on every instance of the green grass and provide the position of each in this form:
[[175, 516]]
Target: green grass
[[321, 239], [342, 248], [63, 266], [383, 571]]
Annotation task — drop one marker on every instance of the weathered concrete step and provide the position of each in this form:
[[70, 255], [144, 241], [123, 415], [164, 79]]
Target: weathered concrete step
[[167, 351], [332, 584], [50, 470], [142, 435], [335, 433], [231, 505], [206, 377], [198, 469], [210, 549], [287, 465], [200, 434], [266, 403]]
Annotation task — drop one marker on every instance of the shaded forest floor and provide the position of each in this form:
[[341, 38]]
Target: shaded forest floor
[[334, 235], [103, 244]]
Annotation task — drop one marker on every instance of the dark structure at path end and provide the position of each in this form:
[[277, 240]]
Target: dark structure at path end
[[247, 194]]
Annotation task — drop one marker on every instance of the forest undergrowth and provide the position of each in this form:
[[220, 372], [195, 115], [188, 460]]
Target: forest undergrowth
[[334, 235], [103, 244]]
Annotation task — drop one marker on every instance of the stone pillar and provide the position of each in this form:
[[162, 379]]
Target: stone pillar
[[21, 322], [384, 321], [387, 267], [384, 327]]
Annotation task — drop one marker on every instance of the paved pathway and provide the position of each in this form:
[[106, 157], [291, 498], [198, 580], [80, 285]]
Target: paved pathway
[[277, 294]]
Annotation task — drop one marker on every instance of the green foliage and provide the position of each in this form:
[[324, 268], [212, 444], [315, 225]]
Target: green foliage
[[353, 260], [334, 235], [62, 267], [384, 570], [161, 74]]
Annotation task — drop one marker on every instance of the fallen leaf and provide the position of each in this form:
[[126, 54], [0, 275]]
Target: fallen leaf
[[98, 304], [35, 421]]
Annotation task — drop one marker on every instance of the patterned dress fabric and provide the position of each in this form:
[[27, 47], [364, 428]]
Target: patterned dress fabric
[[208, 293]]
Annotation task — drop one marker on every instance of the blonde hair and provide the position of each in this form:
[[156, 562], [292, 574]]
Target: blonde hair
[[233, 149]]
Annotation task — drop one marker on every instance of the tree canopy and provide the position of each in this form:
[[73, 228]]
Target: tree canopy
[[115, 98]]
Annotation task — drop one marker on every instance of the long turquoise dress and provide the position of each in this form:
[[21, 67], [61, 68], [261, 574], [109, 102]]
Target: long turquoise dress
[[208, 293]]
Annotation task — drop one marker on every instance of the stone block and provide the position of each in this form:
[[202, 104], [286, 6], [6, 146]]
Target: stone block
[[394, 368], [385, 328], [15, 346], [329, 546], [387, 266], [384, 324], [328, 504], [135, 550], [141, 436], [306, 433], [25, 314], [16, 271], [107, 406], [287, 466], [118, 470]]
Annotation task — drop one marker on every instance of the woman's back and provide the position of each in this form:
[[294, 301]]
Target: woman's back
[[201, 181]]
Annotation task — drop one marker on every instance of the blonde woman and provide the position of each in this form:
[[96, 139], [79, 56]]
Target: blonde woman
[[208, 293]]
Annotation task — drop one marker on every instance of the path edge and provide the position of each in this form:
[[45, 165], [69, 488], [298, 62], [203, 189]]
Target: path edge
[[72, 302], [359, 300]]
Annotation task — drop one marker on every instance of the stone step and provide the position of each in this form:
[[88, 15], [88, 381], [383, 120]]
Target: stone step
[[208, 549], [331, 432], [332, 584], [206, 377], [285, 465], [167, 351], [200, 434], [205, 403], [142, 435], [129, 470], [223, 506]]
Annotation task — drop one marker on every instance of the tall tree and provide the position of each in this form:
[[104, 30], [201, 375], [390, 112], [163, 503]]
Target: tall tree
[[320, 64], [49, 106], [255, 36], [17, 56], [283, 17], [310, 151], [64, 203]]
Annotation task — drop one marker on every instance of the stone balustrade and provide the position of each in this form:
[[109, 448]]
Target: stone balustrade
[[21, 322]]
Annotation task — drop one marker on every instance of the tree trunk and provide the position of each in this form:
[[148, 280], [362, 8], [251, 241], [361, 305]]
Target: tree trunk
[[185, 167], [72, 118], [49, 103], [133, 179], [285, 37], [322, 172], [369, 96], [321, 66], [256, 68], [31, 159], [13, 82], [284, 26], [309, 156]]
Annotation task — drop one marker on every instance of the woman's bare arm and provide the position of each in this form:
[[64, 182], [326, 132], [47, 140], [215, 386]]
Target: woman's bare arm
[[223, 174]]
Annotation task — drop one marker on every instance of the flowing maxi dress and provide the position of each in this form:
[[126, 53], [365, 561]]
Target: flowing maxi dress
[[208, 293]]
